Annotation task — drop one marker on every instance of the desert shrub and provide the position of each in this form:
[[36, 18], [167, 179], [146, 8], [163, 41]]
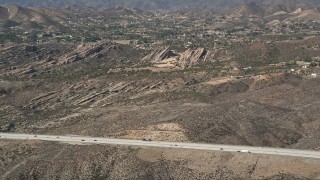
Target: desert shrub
[[35, 25], [10, 37], [307, 59], [12, 126]]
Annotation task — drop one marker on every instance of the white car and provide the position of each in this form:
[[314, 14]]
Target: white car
[[244, 151]]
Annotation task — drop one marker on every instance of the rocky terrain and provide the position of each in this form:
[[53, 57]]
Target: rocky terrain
[[42, 160], [247, 76], [85, 92], [169, 58]]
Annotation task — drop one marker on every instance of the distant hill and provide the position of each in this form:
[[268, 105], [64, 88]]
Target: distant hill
[[307, 15], [271, 9], [156, 4], [247, 10], [22, 14], [30, 18], [262, 10]]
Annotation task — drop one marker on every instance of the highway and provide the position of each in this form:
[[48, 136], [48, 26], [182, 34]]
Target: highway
[[162, 144]]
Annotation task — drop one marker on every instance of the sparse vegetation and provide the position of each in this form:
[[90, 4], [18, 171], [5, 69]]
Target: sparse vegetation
[[246, 76]]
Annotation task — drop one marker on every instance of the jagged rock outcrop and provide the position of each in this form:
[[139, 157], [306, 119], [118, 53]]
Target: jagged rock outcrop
[[192, 57], [29, 70], [40, 100], [159, 55], [88, 51], [186, 59]]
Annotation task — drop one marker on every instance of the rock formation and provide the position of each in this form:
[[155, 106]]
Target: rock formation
[[192, 57], [159, 55], [85, 51], [186, 59]]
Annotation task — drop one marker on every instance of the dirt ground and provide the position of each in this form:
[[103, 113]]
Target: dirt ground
[[46, 160]]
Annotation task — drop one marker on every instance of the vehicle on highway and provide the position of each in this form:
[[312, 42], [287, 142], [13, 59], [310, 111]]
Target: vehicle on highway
[[244, 151]]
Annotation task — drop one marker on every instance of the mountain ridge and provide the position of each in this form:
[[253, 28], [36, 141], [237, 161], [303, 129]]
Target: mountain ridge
[[156, 4]]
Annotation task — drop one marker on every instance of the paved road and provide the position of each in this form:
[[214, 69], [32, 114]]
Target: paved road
[[161, 144]]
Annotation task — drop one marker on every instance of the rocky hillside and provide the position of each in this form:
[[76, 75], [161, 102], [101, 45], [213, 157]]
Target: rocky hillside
[[123, 99], [249, 76], [50, 58], [44, 160], [85, 51], [92, 97]]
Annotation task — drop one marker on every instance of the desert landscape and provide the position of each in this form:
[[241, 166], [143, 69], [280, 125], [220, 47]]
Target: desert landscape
[[229, 73]]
